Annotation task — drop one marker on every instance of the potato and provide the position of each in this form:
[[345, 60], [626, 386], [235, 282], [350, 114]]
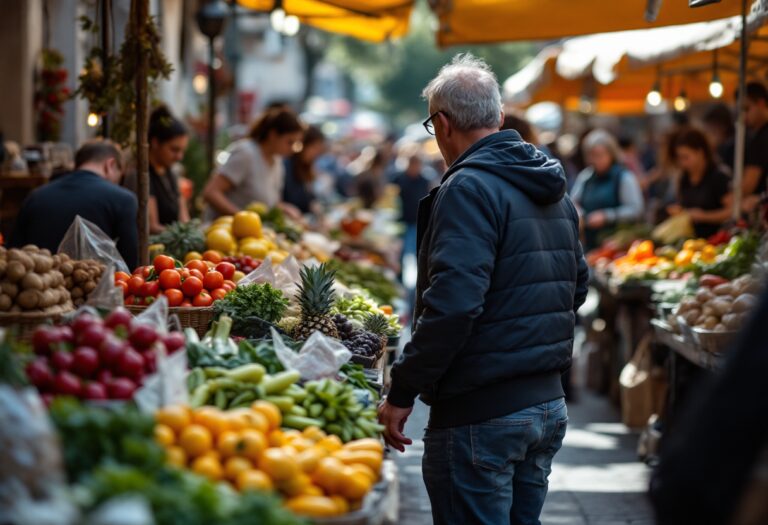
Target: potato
[[701, 320], [15, 271], [30, 248], [46, 252], [23, 258], [68, 282], [29, 299], [43, 264], [744, 303], [687, 304], [9, 289], [5, 303], [711, 322], [704, 295], [720, 328], [76, 292], [32, 281], [723, 289], [48, 298], [732, 321], [89, 286], [720, 306], [80, 276], [708, 310], [3, 266], [691, 317], [67, 268]]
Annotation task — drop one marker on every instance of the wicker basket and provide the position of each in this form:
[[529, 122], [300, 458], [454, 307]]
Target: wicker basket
[[713, 342], [198, 318], [25, 323]]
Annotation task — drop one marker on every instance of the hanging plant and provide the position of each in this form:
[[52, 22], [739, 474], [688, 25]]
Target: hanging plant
[[50, 96], [109, 87]]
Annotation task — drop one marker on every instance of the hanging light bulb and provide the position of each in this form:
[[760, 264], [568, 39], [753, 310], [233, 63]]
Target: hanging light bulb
[[277, 19], [716, 87], [681, 102], [93, 120], [291, 25], [654, 97], [200, 83]]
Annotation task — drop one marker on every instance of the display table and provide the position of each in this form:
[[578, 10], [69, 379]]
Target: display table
[[684, 347]]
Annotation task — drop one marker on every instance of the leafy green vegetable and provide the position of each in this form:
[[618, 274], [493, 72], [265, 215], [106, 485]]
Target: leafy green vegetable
[[10, 364], [737, 258], [354, 374], [181, 238], [381, 288], [251, 306]]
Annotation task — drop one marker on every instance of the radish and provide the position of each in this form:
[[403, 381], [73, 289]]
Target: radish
[[86, 361]]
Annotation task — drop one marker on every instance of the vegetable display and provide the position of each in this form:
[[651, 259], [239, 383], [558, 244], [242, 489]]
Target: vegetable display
[[180, 238], [718, 305], [358, 308], [32, 280], [251, 306], [373, 280]]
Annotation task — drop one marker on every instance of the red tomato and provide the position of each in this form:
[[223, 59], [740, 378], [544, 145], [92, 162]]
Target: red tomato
[[197, 273], [219, 293], [203, 299], [213, 256], [121, 276], [186, 303], [226, 269], [175, 297], [213, 280], [229, 285], [143, 271], [163, 262], [150, 289], [184, 273], [124, 286], [149, 300], [192, 286], [170, 279], [198, 265], [129, 300], [135, 284]]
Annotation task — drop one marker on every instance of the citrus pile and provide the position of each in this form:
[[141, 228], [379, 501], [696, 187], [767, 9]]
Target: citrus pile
[[197, 283], [315, 473], [242, 234]]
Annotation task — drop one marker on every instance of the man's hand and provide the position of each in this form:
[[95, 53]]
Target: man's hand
[[696, 214], [596, 219], [674, 209], [393, 419]]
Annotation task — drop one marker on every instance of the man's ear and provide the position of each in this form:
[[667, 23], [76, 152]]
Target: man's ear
[[446, 124], [501, 119]]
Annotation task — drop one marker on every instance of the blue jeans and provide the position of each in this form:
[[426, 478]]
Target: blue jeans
[[495, 472]]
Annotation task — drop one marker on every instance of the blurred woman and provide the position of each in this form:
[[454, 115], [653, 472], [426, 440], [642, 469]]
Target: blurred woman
[[300, 171], [254, 170], [369, 185], [168, 140], [703, 191], [606, 193], [719, 126]]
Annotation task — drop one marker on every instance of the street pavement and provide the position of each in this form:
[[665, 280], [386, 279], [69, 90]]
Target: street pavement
[[596, 478]]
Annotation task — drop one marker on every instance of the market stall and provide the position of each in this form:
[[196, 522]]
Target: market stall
[[246, 364]]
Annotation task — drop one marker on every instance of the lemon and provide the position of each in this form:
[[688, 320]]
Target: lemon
[[221, 239], [246, 224], [258, 249]]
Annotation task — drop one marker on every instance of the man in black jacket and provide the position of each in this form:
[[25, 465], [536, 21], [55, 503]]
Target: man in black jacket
[[91, 191], [501, 274]]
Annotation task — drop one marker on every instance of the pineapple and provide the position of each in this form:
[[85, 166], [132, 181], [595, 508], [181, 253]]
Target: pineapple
[[378, 324], [316, 296]]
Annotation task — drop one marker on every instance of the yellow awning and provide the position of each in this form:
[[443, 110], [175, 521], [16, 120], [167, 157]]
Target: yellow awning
[[371, 20], [482, 21]]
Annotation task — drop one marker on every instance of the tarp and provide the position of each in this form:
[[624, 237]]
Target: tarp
[[371, 20], [617, 70], [482, 21]]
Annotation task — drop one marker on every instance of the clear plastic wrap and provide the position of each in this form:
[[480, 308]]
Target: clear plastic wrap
[[85, 240], [106, 296], [320, 356], [32, 484], [285, 277]]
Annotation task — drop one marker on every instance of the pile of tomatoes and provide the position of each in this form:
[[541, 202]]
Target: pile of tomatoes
[[197, 283]]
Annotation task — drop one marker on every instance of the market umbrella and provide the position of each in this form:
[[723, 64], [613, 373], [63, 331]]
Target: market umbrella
[[372, 20], [482, 21]]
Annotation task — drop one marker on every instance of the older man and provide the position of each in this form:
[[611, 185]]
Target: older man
[[501, 275]]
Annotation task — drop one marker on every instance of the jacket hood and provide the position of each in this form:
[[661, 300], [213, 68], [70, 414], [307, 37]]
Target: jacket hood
[[506, 155]]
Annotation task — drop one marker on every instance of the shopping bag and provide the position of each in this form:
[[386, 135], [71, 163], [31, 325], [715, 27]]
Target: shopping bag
[[643, 388], [85, 240]]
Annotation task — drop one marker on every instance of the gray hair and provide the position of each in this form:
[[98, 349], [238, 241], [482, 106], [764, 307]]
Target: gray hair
[[601, 137], [468, 92]]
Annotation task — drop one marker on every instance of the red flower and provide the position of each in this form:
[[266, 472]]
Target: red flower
[[52, 98], [61, 75]]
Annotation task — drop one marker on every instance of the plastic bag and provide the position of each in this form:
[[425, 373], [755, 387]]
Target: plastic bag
[[106, 296], [32, 486], [320, 356], [285, 277], [85, 240]]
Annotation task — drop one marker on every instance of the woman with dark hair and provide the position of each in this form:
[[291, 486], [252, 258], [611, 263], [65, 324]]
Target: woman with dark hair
[[719, 126], [703, 191], [168, 140], [254, 171], [300, 171]]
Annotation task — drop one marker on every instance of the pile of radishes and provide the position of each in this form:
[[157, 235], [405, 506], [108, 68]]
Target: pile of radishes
[[97, 359]]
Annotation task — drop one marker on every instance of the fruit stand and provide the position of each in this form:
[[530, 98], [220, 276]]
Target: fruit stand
[[244, 366], [686, 300]]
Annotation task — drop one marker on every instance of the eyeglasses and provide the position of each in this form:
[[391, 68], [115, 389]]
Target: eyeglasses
[[429, 125]]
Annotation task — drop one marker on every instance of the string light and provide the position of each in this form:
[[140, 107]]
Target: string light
[[715, 87], [93, 120], [681, 102], [654, 97], [200, 83]]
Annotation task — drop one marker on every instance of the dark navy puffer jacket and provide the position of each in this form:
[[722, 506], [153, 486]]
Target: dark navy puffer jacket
[[501, 275]]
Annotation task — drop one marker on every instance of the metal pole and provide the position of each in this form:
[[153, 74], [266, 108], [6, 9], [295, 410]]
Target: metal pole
[[741, 126], [140, 17], [211, 139], [106, 53]]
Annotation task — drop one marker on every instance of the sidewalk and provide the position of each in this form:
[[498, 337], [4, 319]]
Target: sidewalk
[[596, 479]]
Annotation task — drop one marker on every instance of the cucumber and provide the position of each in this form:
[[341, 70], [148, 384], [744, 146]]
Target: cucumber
[[298, 411], [284, 403], [252, 373], [299, 422], [220, 400], [280, 381]]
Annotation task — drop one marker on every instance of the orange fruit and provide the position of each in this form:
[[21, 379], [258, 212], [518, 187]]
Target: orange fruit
[[176, 457], [234, 466], [175, 417], [366, 471], [353, 485], [211, 454], [312, 490], [331, 443], [195, 440], [341, 504], [227, 443], [301, 443], [213, 256], [212, 419], [164, 435], [310, 458], [270, 411], [208, 467], [296, 485], [238, 419], [313, 433], [278, 465], [254, 480], [252, 444], [246, 224], [256, 420], [277, 438], [329, 474]]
